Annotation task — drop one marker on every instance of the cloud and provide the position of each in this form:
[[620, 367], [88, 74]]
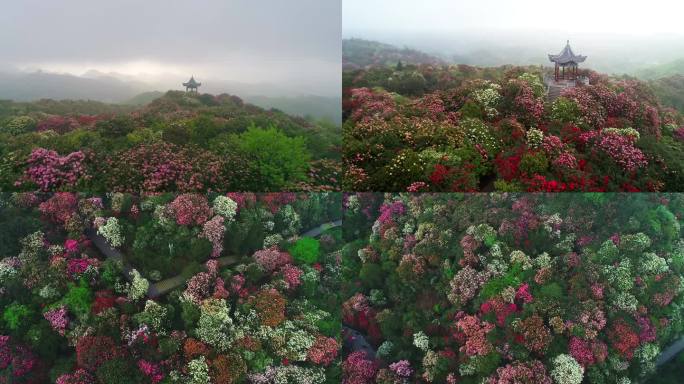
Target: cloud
[[246, 40]]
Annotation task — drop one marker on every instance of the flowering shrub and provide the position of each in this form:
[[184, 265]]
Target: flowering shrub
[[50, 171], [111, 231], [190, 209], [213, 231]]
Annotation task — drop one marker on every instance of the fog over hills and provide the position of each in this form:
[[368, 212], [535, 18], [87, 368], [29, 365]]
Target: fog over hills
[[114, 51], [127, 89], [618, 37]]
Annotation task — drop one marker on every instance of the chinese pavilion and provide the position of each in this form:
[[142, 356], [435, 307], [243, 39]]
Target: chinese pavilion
[[191, 85], [566, 58]]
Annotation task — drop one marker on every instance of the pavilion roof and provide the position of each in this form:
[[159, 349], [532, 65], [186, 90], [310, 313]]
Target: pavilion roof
[[567, 56], [192, 83]]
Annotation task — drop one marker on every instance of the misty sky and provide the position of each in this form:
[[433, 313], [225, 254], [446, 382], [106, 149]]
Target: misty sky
[[616, 34], [291, 44]]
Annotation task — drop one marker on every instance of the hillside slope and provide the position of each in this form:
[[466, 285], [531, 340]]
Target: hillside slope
[[180, 141], [462, 128]]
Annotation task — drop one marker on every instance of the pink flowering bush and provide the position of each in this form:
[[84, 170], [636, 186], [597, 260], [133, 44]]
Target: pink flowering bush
[[292, 276], [271, 259], [50, 171], [621, 149], [190, 209], [358, 369], [58, 319], [60, 208], [213, 230]]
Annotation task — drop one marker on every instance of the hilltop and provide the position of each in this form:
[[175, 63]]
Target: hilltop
[[180, 141]]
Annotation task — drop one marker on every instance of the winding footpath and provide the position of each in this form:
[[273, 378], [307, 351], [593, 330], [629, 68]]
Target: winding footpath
[[670, 352], [165, 286]]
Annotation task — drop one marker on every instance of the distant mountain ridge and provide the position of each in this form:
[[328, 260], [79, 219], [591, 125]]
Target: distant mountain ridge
[[360, 53]]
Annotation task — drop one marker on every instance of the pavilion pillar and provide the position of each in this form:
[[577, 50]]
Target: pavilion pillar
[[555, 71]]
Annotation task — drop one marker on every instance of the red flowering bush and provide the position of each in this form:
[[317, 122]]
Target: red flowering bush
[[60, 208], [323, 351], [92, 351]]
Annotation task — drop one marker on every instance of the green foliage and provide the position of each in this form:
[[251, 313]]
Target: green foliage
[[15, 315], [117, 371], [406, 82], [551, 291], [17, 125], [279, 160], [305, 251], [78, 298], [14, 225], [534, 163], [501, 185], [372, 275], [565, 110], [494, 286], [470, 110], [669, 151], [190, 314], [117, 127]]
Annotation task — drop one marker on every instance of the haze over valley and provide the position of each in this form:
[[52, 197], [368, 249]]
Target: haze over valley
[[266, 55]]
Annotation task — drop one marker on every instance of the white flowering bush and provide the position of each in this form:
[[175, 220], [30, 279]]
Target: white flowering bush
[[198, 371], [421, 341], [489, 98], [226, 207], [138, 286], [535, 138], [215, 325], [111, 231], [566, 370]]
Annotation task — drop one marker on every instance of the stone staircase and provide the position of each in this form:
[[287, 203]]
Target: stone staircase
[[553, 92]]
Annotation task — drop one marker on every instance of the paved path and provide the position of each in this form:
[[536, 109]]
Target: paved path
[[670, 352], [113, 254], [315, 232], [356, 341], [164, 286]]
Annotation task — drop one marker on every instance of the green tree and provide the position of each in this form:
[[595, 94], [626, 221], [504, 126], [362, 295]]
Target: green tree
[[280, 160], [305, 251]]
